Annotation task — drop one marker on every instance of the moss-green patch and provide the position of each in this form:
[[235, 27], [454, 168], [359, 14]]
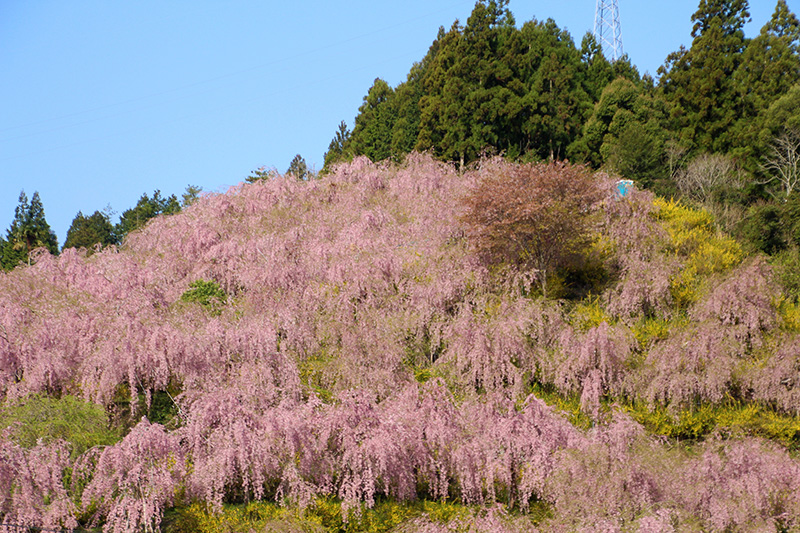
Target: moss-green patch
[[730, 417], [82, 424], [323, 515], [206, 293], [569, 405]]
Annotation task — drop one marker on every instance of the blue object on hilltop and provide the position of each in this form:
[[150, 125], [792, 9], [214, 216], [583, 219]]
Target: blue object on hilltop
[[624, 188]]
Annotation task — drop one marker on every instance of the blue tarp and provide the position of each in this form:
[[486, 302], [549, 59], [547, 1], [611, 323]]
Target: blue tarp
[[624, 187]]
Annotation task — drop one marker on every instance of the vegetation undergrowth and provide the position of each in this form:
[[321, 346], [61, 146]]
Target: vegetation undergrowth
[[206, 293], [567, 404], [39, 418], [695, 424], [732, 417], [324, 515]]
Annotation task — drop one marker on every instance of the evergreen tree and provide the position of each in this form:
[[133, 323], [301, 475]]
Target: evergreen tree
[[145, 209], [557, 101], [490, 85], [88, 232], [782, 115], [437, 82], [372, 134], [191, 195], [407, 97], [475, 94], [771, 63], [598, 72], [623, 68], [338, 146], [13, 251], [298, 168], [614, 106], [770, 67], [262, 173], [625, 133], [29, 231], [486, 86], [638, 152], [699, 83]]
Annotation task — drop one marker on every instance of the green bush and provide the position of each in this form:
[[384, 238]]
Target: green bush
[[787, 270], [206, 293], [763, 228]]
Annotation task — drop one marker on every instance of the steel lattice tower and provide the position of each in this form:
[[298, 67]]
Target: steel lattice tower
[[607, 28]]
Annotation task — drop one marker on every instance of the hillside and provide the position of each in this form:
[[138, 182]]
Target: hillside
[[339, 342]]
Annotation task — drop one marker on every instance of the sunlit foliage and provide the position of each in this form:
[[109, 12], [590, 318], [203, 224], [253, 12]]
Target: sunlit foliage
[[343, 340]]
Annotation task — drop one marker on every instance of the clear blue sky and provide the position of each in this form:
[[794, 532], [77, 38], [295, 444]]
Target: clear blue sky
[[105, 100]]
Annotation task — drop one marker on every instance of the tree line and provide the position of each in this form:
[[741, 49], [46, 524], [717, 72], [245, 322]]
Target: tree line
[[719, 126], [30, 231]]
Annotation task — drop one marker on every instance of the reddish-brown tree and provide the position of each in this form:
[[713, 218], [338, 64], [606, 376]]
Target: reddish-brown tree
[[534, 216]]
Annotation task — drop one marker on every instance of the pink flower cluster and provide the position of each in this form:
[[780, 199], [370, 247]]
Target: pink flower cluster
[[364, 350]]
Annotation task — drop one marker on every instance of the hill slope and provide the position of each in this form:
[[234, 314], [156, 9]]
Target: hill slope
[[340, 338]]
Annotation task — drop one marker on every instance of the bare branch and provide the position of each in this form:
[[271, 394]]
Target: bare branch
[[706, 173], [783, 163]]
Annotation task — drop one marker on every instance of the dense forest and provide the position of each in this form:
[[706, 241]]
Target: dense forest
[[462, 323], [720, 127]]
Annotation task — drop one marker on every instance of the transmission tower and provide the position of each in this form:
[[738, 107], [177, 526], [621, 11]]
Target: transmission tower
[[607, 28]]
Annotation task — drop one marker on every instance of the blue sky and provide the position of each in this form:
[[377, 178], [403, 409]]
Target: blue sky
[[105, 100]]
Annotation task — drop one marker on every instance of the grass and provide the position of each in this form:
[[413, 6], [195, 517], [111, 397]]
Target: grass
[[323, 515], [729, 417], [81, 424], [695, 424]]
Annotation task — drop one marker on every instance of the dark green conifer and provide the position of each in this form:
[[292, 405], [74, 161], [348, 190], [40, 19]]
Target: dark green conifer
[[88, 232], [298, 168], [29, 230], [770, 67], [698, 83], [372, 134], [145, 209], [337, 149]]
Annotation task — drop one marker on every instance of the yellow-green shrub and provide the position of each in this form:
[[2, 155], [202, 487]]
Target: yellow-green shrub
[[732, 416], [789, 312], [588, 313], [706, 251]]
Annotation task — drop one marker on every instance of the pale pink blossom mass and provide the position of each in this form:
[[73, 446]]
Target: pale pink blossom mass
[[366, 351]]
